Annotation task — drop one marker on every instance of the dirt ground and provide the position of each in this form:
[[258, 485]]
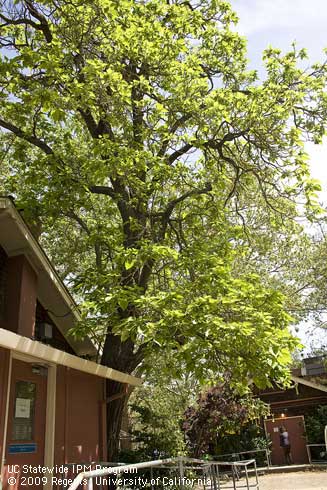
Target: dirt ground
[[302, 480]]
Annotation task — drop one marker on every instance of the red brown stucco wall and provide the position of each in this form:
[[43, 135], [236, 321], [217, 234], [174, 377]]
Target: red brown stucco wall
[[4, 369], [79, 435], [21, 304]]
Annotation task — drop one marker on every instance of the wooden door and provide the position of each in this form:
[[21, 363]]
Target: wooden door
[[26, 427], [296, 431]]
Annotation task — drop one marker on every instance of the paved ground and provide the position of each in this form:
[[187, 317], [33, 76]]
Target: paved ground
[[302, 480], [299, 480]]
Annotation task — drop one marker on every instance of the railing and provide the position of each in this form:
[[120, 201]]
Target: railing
[[265, 453], [239, 470], [187, 473], [317, 453], [69, 471]]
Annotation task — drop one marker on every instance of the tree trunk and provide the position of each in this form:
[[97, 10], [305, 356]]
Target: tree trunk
[[115, 409], [117, 355]]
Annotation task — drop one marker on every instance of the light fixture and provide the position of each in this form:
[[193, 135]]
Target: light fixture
[[41, 369], [45, 331]]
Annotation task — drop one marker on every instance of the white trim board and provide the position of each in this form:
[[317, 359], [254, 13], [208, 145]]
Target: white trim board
[[49, 442], [4, 440], [17, 343]]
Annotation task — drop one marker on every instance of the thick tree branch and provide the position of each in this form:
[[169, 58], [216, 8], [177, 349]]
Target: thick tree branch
[[105, 128], [78, 219], [15, 22], [43, 26], [210, 144], [193, 192], [177, 124], [95, 130], [30, 139], [102, 189], [172, 204], [178, 153], [84, 226], [137, 116], [90, 122], [217, 145]]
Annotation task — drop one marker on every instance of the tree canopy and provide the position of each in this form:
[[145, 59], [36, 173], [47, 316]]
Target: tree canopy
[[137, 141]]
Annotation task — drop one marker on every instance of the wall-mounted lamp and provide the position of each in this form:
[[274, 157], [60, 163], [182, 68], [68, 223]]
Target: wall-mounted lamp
[[40, 369], [45, 331]]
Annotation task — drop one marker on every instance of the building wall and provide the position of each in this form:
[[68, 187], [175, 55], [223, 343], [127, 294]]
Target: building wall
[[295, 427], [21, 296], [57, 341], [4, 368], [3, 285], [80, 431], [294, 401], [80, 417]]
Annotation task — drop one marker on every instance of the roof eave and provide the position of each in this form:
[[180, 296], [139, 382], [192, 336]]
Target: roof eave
[[36, 350]]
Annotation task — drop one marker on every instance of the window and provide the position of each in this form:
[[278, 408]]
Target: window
[[23, 423]]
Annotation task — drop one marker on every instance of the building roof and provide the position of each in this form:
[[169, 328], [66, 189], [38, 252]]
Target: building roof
[[17, 239], [310, 383]]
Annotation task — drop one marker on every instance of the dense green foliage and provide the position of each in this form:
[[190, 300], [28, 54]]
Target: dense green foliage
[[162, 175], [156, 410], [315, 424], [166, 420], [156, 414], [250, 437]]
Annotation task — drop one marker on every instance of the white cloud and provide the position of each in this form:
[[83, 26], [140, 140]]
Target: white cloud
[[258, 15], [279, 22], [318, 166]]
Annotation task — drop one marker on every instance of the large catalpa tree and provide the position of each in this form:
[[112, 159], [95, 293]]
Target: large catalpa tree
[[132, 131]]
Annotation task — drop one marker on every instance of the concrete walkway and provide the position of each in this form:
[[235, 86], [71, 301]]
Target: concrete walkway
[[301, 480], [298, 480]]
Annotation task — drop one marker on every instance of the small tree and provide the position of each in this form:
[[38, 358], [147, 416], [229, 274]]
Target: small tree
[[156, 415], [156, 410], [219, 412]]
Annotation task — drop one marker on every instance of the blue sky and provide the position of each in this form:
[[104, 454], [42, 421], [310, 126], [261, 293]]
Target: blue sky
[[279, 23]]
